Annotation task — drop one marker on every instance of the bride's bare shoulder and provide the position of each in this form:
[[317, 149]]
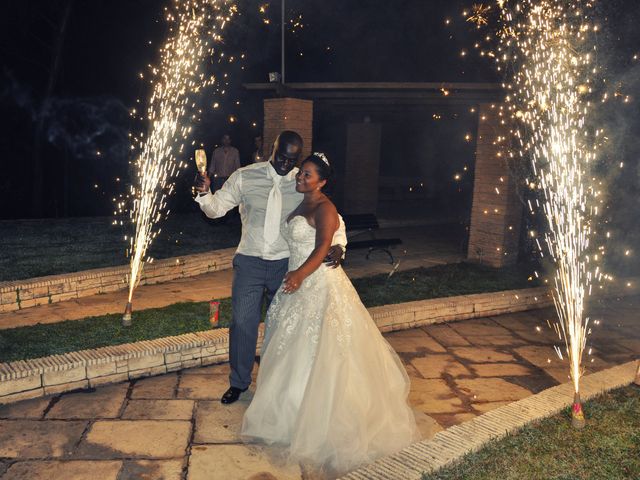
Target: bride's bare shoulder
[[325, 212]]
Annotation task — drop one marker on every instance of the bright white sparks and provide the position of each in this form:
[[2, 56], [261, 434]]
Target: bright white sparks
[[548, 44], [195, 27]]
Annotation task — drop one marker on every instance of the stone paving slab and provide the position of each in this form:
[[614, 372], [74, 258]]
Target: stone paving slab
[[136, 438], [152, 470], [501, 370], [28, 409], [491, 389], [495, 341], [446, 336], [156, 387], [218, 423], [482, 355], [434, 396], [27, 439], [479, 327], [238, 462], [203, 387], [159, 410], [222, 369], [418, 342], [67, 470], [434, 366], [105, 402]]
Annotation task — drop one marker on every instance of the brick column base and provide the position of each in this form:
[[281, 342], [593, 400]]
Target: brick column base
[[496, 211]]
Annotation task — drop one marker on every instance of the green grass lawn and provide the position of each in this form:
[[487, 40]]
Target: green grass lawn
[[423, 283], [607, 448], [33, 248]]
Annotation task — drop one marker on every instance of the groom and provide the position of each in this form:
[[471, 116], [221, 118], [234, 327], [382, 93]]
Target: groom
[[266, 194]]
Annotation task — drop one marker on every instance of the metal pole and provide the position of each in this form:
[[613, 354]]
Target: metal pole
[[282, 44]]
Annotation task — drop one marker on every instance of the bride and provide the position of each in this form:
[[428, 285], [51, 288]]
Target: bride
[[330, 389]]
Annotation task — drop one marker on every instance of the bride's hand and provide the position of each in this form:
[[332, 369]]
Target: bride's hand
[[292, 281]]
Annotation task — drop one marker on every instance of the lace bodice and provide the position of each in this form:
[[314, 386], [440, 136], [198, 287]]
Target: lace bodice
[[301, 238]]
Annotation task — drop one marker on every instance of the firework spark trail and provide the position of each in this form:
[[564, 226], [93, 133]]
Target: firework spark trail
[[195, 27], [549, 45]]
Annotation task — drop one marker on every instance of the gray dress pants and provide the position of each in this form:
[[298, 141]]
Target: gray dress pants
[[254, 279]]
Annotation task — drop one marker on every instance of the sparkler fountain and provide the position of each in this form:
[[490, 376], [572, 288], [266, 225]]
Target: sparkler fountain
[[548, 43], [195, 27]]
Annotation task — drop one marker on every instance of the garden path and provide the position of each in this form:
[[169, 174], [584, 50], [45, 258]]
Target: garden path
[[420, 248], [174, 427]]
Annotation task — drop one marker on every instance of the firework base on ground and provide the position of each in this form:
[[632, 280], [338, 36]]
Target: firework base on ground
[[126, 318], [577, 414]]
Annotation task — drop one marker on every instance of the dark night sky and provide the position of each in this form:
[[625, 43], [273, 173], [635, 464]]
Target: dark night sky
[[106, 46]]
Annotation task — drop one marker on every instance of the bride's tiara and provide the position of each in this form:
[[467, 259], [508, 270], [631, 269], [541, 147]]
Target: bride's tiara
[[322, 157]]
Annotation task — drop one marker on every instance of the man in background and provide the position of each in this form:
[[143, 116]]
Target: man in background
[[258, 154], [224, 161]]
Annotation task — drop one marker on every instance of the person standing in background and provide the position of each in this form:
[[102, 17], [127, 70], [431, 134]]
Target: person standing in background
[[224, 161], [258, 154]]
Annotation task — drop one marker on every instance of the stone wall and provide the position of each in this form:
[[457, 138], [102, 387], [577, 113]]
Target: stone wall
[[19, 294]]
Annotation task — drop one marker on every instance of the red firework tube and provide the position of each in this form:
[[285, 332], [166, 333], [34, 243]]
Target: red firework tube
[[214, 312], [577, 414]]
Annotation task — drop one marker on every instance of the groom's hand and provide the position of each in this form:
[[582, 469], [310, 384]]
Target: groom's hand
[[202, 183], [334, 257]]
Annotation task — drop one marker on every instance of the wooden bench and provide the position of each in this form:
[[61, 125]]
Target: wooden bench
[[362, 224]]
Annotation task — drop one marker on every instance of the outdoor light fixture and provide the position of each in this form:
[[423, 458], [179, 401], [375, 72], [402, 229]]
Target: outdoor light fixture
[[274, 77]]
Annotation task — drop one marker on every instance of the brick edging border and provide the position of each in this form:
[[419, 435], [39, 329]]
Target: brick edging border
[[33, 378], [83, 369], [455, 442], [31, 292]]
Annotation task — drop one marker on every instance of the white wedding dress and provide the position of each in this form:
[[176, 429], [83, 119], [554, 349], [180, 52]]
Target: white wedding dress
[[330, 388]]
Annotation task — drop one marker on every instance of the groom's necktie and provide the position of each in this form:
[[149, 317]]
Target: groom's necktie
[[274, 209]]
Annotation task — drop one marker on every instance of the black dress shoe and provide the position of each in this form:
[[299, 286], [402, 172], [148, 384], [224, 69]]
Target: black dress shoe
[[231, 395]]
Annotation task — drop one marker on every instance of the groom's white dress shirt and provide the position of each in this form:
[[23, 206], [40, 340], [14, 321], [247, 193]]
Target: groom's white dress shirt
[[249, 188]]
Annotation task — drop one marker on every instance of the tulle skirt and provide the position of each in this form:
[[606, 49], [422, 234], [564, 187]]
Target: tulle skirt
[[330, 388]]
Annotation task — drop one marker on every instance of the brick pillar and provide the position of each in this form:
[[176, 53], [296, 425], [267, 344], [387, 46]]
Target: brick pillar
[[496, 211], [288, 114], [362, 168]]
